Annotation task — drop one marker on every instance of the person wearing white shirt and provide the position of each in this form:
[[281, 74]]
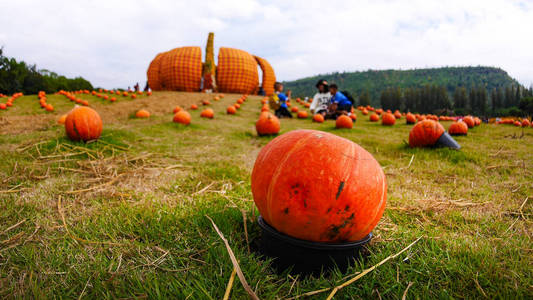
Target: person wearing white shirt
[[321, 99]]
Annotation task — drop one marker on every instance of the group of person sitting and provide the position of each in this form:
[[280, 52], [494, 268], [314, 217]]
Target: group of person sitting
[[328, 101]]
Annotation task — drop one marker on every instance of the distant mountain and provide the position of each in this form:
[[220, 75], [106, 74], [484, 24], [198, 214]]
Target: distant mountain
[[375, 81]]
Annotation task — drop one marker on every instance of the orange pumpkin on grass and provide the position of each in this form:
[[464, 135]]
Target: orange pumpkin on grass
[[469, 121], [142, 113], [194, 107], [182, 117], [303, 197], [374, 117], [268, 124], [429, 133], [388, 119], [302, 115], [410, 118], [83, 123], [318, 118], [458, 128], [176, 109], [231, 110], [344, 121], [207, 113], [62, 119]]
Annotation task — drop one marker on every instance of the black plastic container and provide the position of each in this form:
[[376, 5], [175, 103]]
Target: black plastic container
[[305, 257]]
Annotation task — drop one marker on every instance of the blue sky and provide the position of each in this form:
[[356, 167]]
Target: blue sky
[[111, 42]]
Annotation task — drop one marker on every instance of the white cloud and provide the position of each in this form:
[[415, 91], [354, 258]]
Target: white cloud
[[111, 42]]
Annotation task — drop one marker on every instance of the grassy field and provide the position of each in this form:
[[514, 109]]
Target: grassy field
[[125, 217]]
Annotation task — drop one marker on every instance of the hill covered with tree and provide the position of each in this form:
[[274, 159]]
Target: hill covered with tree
[[376, 81], [18, 76]]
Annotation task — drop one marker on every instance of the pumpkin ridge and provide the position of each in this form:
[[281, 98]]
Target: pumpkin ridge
[[75, 129], [278, 170]]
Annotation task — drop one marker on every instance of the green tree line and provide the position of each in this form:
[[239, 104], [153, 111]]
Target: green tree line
[[18, 76], [511, 100]]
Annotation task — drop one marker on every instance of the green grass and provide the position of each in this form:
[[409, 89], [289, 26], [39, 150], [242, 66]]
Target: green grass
[[147, 234]]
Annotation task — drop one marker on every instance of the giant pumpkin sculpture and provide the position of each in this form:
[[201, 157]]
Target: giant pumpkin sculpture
[[181, 69], [428, 133], [339, 199]]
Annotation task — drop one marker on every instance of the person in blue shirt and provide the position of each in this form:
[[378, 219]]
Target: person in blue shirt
[[339, 103], [283, 110]]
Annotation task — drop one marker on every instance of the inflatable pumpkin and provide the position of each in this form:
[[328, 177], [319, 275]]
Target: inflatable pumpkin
[[322, 188]]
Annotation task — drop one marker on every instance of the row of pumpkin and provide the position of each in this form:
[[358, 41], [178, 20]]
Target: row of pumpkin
[[9, 102]]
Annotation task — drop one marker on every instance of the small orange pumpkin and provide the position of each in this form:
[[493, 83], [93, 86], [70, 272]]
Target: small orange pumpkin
[[182, 117], [206, 102], [176, 109], [62, 119], [231, 110], [374, 117], [526, 123], [194, 107], [302, 114], [458, 128], [237, 105], [83, 123], [207, 113], [142, 113], [388, 119], [318, 118], [268, 124], [469, 121], [344, 121], [294, 109], [410, 118]]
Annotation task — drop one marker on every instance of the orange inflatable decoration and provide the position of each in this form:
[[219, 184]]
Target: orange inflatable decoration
[[305, 198], [181, 69], [269, 77]]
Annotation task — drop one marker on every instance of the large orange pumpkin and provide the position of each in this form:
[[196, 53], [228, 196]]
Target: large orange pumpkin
[[344, 121], [304, 196], [268, 124], [207, 113], [388, 119], [425, 133], [469, 121], [182, 117], [374, 117], [318, 118], [83, 123]]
